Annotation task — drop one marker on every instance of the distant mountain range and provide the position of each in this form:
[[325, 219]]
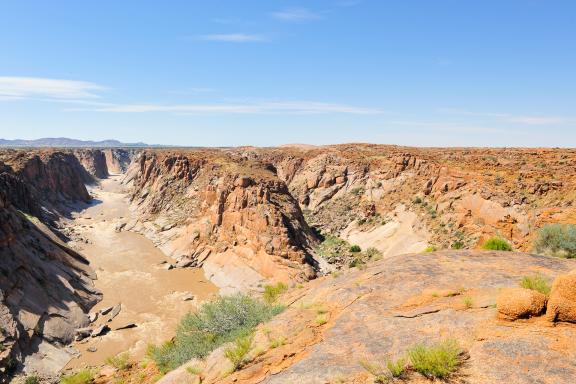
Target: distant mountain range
[[66, 142]]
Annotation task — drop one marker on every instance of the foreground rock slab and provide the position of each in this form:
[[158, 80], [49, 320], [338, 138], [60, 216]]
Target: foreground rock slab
[[334, 323]]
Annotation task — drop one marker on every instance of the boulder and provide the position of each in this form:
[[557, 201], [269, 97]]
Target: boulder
[[115, 311], [562, 302], [100, 331], [518, 303]]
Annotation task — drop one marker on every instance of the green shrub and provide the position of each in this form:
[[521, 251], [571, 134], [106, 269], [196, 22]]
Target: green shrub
[[497, 244], [468, 302], [271, 292], [85, 376], [457, 245], [237, 353], [397, 368], [417, 200], [537, 283], [214, 324], [436, 361], [358, 191], [430, 248], [32, 380], [393, 369], [373, 254], [355, 248], [120, 361], [557, 240]]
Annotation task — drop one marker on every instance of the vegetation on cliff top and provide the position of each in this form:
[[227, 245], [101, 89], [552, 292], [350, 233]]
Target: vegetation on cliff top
[[215, 323]]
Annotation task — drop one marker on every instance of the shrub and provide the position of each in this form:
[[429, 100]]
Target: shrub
[[373, 254], [271, 292], [417, 200], [536, 283], [32, 380], [557, 240], [436, 361], [430, 248], [120, 361], [496, 244], [214, 324], [237, 353], [468, 302], [358, 191], [457, 245], [394, 369], [82, 377], [355, 248]]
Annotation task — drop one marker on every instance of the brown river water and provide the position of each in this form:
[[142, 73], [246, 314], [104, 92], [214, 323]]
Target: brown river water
[[130, 273]]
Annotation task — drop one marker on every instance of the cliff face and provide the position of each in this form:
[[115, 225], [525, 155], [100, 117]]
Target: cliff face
[[235, 218], [94, 161], [45, 287], [118, 160], [54, 177], [454, 195], [242, 209]]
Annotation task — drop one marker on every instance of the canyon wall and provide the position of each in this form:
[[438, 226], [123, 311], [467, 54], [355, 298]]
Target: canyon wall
[[234, 218], [46, 288]]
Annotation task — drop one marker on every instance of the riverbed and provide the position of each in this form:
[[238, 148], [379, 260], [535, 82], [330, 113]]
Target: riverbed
[[131, 272]]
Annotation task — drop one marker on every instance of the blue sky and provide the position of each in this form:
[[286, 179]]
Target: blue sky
[[230, 72]]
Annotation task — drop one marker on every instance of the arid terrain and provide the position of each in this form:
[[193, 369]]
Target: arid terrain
[[377, 249]]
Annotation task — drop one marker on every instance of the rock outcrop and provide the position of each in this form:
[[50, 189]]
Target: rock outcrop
[[520, 303], [562, 302], [46, 288], [234, 218], [118, 160], [334, 324], [94, 161]]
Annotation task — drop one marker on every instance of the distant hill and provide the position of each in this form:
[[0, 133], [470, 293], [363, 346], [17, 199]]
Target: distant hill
[[66, 142]]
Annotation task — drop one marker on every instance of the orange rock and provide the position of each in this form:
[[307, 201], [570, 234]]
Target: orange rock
[[518, 303], [562, 302]]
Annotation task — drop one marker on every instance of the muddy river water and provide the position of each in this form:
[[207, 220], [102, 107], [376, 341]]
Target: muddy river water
[[131, 272]]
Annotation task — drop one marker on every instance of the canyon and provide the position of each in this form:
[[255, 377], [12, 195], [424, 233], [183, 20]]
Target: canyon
[[151, 234]]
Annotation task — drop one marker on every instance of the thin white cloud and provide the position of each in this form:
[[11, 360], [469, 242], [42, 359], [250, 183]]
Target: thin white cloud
[[28, 87], [538, 120], [296, 14], [292, 107], [233, 38], [509, 117]]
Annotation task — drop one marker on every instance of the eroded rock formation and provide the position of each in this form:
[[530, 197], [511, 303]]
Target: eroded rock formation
[[46, 288]]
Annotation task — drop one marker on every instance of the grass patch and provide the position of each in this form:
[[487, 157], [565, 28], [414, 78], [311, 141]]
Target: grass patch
[[383, 374], [32, 380], [215, 323], [430, 248], [278, 342], [272, 292], [557, 240], [497, 244], [120, 361], [237, 353], [468, 302], [536, 283], [436, 361], [321, 319], [85, 376]]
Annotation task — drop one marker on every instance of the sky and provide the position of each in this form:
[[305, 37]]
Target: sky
[[230, 73]]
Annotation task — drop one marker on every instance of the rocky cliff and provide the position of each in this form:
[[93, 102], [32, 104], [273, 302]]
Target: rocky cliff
[[448, 195], [45, 287], [234, 218], [94, 161]]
